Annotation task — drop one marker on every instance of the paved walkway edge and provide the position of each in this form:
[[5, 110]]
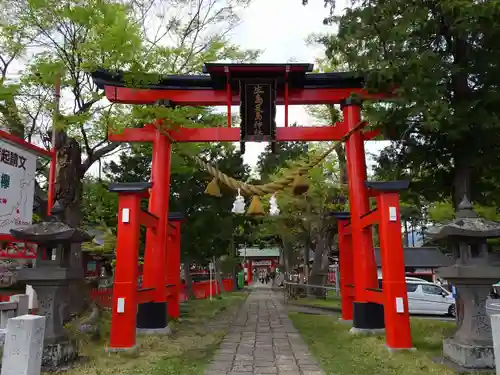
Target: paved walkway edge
[[262, 340]]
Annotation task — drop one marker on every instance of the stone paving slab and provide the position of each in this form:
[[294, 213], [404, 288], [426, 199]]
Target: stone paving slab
[[263, 341]]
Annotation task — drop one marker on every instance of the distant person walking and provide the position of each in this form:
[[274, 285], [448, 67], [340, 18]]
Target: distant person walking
[[273, 277]]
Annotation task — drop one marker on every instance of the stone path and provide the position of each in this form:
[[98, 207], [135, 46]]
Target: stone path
[[262, 340]]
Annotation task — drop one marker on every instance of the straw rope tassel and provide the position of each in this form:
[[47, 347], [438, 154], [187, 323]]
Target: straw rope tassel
[[260, 190]]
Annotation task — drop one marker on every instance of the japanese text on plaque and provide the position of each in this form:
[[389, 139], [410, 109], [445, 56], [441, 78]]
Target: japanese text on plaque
[[258, 91]]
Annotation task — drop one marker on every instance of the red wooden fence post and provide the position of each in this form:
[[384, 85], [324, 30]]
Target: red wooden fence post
[[173, 268]]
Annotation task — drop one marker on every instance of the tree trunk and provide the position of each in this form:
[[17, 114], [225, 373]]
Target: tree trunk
[[318, 271], [217, 273], [405, 235], [458, 43], [235, 265], [68, 192], [235, 279], [287, 250], [306, 260], [461, 182], [187, 279], [339, 147], [307, 242], [318, 256], [340, 151]]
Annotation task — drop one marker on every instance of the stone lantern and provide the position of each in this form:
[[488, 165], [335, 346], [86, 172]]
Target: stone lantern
[[471, 346], [51, 278]]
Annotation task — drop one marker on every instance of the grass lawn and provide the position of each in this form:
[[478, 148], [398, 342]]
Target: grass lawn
[[185, 352], [332, 301], [341, 353]]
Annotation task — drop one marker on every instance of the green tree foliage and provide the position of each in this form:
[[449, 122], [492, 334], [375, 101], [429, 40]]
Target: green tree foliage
[[269, 165], [441, 212], [209, 224], [268, 162], [43, 41], [443, 57], [100, 207], [303, 223], [100, 210], [51, 39]]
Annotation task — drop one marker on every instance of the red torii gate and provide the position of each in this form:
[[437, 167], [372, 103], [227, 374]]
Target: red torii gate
[[294, 84], [126, 295]]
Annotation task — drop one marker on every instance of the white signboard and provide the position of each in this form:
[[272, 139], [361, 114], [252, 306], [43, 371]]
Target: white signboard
[[17, 186], [261, 263]]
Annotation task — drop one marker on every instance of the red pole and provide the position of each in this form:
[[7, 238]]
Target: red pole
[[53, 157], [365, 269], [52, 181], [249, 268], [346, 270], [125, 284], [396, 315], [148, 268], [173, 267], [229, 95], [287, 69], [157, 243]]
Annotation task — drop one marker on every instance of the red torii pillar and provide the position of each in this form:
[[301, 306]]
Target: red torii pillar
[[173, 265], [249, 271], [395, 296], [157, 244], [366, 315], [125, 292], [346, 265]]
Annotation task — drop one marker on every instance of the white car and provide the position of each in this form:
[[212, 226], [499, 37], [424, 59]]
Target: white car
[[428, 298]]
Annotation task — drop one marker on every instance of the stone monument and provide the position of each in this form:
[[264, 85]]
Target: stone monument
[[22, 353], [51, 279], [471, 346]]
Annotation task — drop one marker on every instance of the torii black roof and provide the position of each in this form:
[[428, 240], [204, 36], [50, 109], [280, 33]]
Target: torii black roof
[[299, 77]]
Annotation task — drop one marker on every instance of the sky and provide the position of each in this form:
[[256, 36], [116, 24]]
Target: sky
[[280, 28]]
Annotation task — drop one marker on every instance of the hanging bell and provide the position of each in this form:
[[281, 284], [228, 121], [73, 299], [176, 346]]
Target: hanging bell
[[300, 185], [213, 188], [255, 207]]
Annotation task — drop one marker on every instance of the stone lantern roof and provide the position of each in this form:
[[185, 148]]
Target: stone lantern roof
[[51, 231]]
